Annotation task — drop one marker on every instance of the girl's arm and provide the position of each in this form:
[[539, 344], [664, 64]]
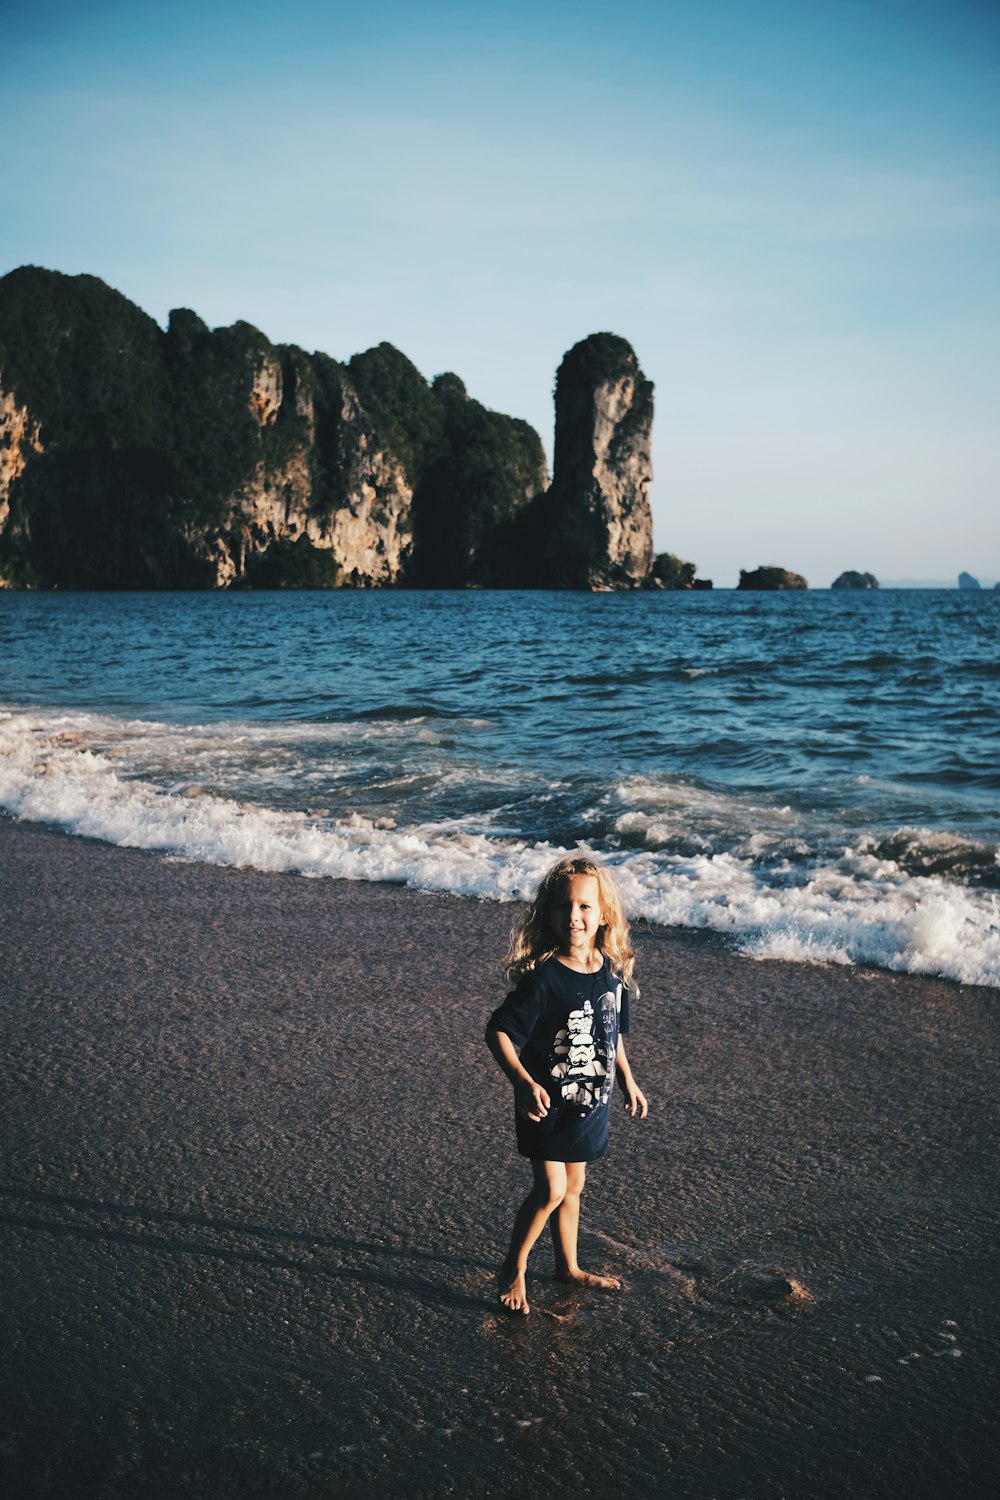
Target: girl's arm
[[635, 1099], [530, 1099]]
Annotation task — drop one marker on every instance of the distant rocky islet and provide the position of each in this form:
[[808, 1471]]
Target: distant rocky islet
[[770, 579], [853, 580]]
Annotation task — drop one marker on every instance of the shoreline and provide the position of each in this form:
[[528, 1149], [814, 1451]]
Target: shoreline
[[712, 937], [258, 1171]]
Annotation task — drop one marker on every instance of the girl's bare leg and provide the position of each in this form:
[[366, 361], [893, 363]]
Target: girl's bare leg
[[547, 1192], [565, 1227]]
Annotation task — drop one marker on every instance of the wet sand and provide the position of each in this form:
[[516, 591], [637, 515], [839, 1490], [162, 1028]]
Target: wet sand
[[258, 1169]]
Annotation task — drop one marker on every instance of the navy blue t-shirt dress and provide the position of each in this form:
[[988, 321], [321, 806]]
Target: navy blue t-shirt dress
[[566, 1027]]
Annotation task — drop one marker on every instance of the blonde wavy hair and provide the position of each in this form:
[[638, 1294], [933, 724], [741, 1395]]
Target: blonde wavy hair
[[532, 940]]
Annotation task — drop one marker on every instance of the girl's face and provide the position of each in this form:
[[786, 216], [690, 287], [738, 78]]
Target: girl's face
[[575, 914]]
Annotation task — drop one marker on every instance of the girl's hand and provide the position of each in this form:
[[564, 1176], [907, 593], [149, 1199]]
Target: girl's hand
[[530, 1100], [635, 1100]]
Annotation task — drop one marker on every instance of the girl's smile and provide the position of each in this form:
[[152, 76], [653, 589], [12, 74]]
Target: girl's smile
[[576, 918]]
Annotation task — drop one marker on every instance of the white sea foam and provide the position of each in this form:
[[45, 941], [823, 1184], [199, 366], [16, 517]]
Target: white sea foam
[[129, 784], [663, 814]]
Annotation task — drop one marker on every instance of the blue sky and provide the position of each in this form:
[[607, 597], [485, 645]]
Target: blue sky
[[791, 210]]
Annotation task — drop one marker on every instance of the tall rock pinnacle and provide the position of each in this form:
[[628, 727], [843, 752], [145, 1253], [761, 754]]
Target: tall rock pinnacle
[[600, 528]]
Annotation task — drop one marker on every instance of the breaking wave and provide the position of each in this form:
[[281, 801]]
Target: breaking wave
[[391, 798]]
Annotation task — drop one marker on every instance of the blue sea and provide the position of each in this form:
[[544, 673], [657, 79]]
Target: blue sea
[[816, 775]]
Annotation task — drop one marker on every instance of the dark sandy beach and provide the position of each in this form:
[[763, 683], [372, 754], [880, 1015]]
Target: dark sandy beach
[[258, 1170]]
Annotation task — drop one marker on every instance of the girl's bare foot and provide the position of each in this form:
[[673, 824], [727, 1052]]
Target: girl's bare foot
[[589, 1278], [513, 1293]]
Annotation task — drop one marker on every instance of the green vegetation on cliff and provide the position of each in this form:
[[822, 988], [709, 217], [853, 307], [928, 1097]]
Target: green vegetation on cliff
[[97, 504], [601, 359], [401, 404], [487, 466], [471, 469], [196, 456], [671, 573], [213, 438]]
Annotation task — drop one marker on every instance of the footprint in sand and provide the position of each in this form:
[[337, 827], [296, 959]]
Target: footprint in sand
[[774, 1288]]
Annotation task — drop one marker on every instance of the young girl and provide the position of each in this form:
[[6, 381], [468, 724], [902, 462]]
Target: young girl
[[572, 963]]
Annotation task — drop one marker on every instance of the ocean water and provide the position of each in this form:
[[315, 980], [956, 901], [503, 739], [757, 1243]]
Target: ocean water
[[817, 775]]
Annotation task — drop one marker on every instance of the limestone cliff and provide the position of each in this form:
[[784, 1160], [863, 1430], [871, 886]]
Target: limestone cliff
[[314, 498], [19, 440], [599, 524], [137, 457], [475, 472], [326, 505], [133, 457]]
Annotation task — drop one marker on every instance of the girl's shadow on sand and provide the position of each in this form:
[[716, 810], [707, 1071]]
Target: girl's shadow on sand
[[150, 1228]]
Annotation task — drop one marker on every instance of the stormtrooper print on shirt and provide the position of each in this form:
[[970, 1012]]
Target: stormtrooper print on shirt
[[583, 1068]]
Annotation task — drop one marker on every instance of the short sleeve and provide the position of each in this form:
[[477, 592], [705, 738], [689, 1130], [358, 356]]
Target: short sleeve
[[625, 1013], [519, 1014]]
